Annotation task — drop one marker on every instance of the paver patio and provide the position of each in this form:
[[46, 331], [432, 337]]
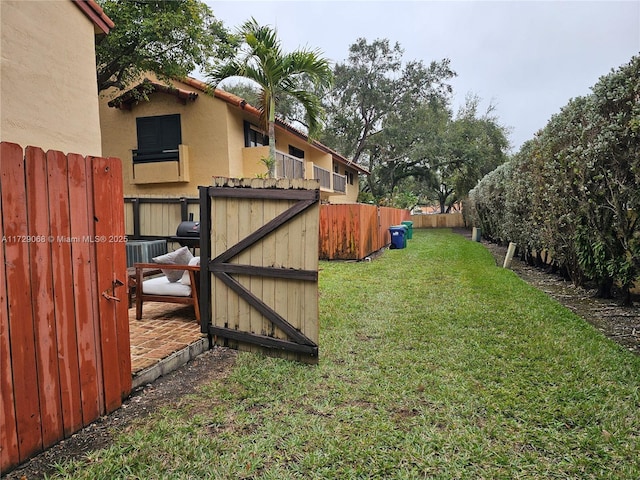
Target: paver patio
[[163, 330]]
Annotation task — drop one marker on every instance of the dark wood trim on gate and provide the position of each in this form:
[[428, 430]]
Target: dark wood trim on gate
[[219, 267], [288, 273], [205, 253], [262, 340], [136, 217]]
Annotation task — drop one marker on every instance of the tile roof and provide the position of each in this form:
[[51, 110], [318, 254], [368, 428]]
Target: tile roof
[[132, 96], [95, 13]]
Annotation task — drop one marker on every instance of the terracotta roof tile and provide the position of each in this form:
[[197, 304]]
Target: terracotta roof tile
[[131, 96], [95, 13]]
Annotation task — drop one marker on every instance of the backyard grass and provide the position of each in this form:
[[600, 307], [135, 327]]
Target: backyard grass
[[434, 363]]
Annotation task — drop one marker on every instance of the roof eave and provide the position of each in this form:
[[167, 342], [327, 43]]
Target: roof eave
[[128, 98], [95, 13]]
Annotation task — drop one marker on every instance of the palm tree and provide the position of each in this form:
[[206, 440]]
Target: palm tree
[[261, 60]]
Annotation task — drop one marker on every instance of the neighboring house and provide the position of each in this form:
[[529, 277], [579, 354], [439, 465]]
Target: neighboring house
[[48, 86], [181, 136]]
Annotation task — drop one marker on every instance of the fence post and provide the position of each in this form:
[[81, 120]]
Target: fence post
[[136, 217], [510, 252], [476, 234]]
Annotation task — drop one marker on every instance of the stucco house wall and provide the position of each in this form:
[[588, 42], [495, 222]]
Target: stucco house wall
[[48, 88], [204, 127], [213, 141]]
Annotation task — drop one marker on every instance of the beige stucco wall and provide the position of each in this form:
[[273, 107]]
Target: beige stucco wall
[[213, 134], [205, 131], [48, 91], [352, 190]]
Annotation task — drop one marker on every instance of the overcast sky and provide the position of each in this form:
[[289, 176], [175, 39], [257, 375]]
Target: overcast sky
[[526, 57]]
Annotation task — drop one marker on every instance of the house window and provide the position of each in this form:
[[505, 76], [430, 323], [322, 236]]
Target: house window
[[158, 139], [254, 137], [350, 175], [335, 168], [296, 152]]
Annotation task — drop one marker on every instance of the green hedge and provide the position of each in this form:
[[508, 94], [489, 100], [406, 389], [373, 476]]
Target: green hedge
[[573, 191]]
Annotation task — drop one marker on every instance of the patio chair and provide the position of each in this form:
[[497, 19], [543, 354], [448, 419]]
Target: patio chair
[[160, 289]]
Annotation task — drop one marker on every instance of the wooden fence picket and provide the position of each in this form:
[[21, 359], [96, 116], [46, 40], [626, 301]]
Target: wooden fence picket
[[116, 240], [43, 308], [63, 293], [9, 453], [64, 347], [104, 270], [83, 258], [20, 313]]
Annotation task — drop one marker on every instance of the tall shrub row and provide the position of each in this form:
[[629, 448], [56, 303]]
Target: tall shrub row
[[570, 197]]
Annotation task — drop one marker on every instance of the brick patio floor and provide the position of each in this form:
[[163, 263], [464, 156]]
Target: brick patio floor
[[165, 328]]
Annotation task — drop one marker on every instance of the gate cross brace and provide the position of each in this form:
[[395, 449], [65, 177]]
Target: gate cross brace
[[271, 315], [263, 231], [222, 270], [263, 340]]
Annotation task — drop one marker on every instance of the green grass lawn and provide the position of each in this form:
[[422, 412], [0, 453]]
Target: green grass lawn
[[434, 363]]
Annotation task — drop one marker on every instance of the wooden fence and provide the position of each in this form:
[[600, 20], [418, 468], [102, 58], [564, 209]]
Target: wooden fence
[[153, 217], [439, 220], [64, 340], [260, 265], [347, 232], [354, 231]]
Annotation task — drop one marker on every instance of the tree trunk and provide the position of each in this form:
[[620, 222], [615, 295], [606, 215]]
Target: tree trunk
[[604, 288], [272, 138]]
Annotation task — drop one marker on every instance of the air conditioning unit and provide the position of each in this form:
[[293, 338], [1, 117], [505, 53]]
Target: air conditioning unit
[[142, 251]]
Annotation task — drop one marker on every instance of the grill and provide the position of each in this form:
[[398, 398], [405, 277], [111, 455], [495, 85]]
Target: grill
[[188, 234]]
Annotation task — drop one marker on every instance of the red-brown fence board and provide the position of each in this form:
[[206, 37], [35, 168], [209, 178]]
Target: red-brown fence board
[[354, 231], [105, 258], [42, 284], [93, 272], [9, 454], [57, 333], [20, 315], [119, 269], [63, 292], [81, 222]]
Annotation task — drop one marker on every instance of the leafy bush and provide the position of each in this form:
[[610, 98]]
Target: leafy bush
[[573, 191]]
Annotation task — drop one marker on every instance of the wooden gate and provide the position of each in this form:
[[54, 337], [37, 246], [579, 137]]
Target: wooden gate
[[259, 245], [64, 340]]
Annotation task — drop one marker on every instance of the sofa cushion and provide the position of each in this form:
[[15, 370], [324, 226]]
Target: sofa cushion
[[180, 256], [162, 286], [186, 279]]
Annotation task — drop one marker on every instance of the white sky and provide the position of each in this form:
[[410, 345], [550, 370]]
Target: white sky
[[526, 57]]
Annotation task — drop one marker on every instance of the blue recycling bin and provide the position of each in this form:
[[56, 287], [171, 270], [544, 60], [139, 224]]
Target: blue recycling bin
[[398, 236]]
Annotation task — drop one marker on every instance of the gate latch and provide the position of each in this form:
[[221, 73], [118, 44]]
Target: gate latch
[[111, 295]]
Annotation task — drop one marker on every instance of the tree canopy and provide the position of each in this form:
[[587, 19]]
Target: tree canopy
[[171, 39], [261, 60], [395, 118]]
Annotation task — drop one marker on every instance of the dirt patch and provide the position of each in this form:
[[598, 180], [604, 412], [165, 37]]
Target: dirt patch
[[167, 390], [621, 324]]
